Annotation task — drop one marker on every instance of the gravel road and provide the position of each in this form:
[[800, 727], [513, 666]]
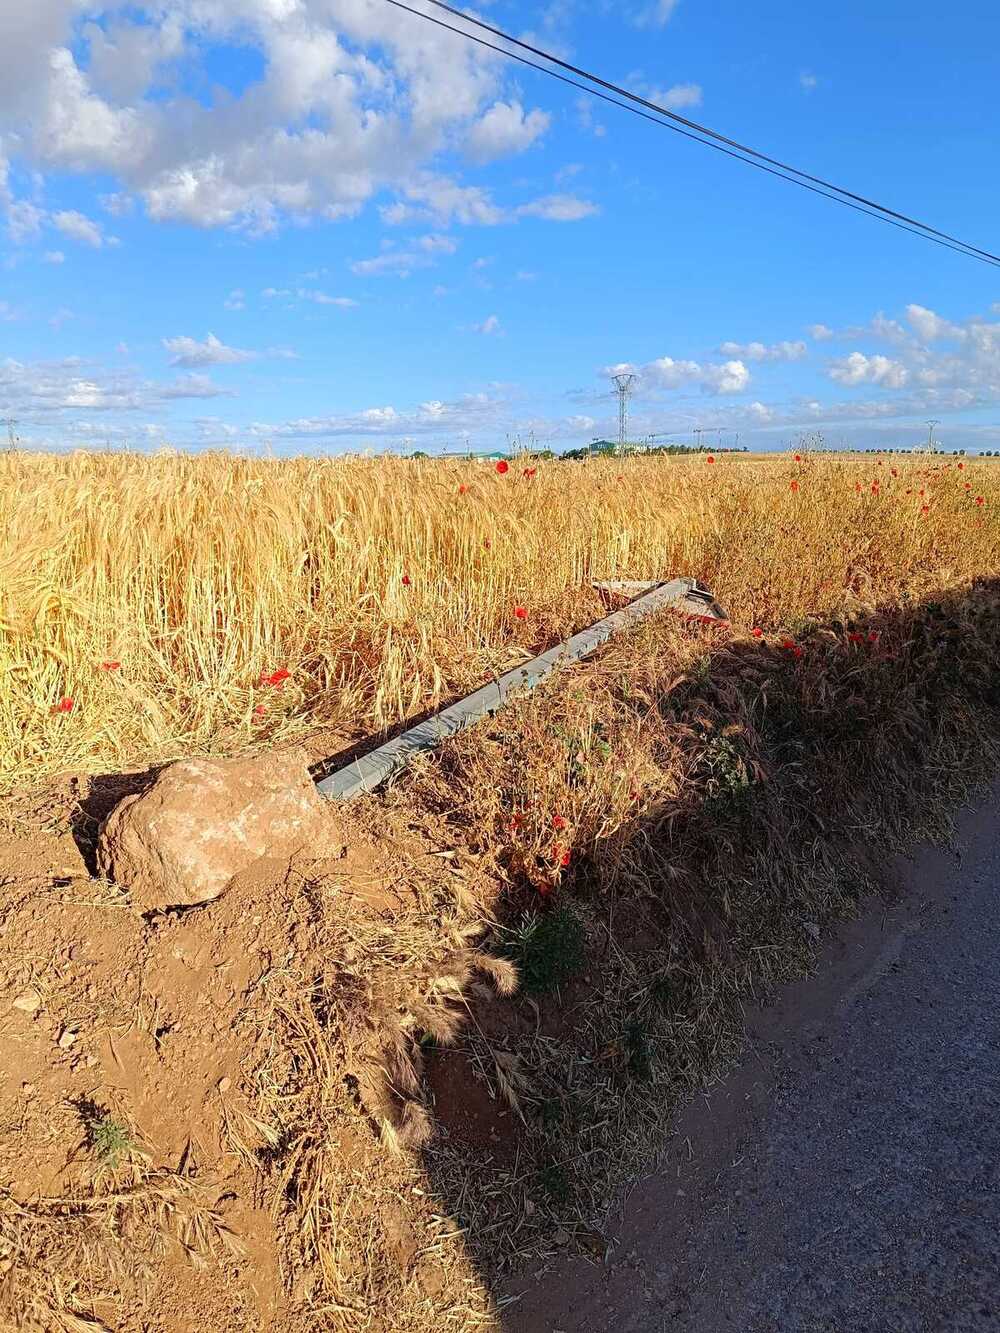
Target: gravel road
[[846, 1178]]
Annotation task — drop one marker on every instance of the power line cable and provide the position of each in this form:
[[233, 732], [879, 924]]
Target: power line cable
[[729, 147]]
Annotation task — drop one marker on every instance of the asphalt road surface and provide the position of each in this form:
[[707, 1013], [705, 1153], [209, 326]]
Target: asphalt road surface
[[846, 1178]]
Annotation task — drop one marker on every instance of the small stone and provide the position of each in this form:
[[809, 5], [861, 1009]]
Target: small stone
[[28, 1089], [560, 1237], [225, 1084], [29, 1002], [66, 1038], [90, 1061]]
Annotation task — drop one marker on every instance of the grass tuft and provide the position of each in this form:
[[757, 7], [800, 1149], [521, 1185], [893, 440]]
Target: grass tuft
[[548, 949]]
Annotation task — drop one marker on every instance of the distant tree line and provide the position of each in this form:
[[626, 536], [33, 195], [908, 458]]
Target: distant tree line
[[609, 449]]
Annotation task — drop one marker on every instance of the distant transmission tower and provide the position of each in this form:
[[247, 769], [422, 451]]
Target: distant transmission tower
[[624, 384]]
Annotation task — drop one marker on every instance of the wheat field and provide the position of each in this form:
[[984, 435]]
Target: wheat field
[[158, 605]]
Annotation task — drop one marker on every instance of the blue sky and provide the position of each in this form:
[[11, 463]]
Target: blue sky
[[319, 225]]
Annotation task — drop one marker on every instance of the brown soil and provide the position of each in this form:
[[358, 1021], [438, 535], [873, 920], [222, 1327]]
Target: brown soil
[[218, 1117], [200, 1034]]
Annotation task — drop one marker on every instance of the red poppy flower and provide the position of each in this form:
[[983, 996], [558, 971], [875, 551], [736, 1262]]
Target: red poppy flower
[[530, 471], [462, 489], [516, 822], [110, 666], [895, 473], [874, 488], [544, 888], [925, 509], [521, 612], [798, 651], [960, 466], [503, 466], [795, 485], [710, 458], [757, 633], [979, 499], [260, 710], [560, 855], [406, 580], [798, 458], [65, 705], [873, 636], [486, 542], [855, 637], [968, 485], [558, 821], [921, 491], [276, 677], [857, 487], [788, 643]]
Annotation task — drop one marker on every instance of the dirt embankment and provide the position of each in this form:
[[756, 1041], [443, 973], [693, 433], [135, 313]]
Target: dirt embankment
[[192, 1101], [302, 1107]]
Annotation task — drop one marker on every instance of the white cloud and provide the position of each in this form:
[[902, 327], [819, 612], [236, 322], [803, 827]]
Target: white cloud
[[668, 373], [756, 351], [78, 227], [857, 368], [585, 117], [491, 324], [503, 130], [189, 352], [808, 82], [192, 386], [655, 15], [236, 300], [437, 244], [24, 219], [56, 388], [323, 298], [61, 317], [394, 263], [7, 313], [54, 257], [731, 377], [444, 200], [761, 413], [820, 332], [118, 205], [352, 101], [676, 98], [930, 327], [433, 418], [558, 208]]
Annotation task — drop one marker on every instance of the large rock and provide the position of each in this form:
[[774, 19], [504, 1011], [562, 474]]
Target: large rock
[[205, 820]]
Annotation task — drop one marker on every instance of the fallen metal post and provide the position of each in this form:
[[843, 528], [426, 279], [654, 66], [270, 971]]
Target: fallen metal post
[[371, 770]]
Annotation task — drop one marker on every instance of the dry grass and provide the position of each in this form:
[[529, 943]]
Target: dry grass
[[64, 1261], [723, 800], [715, 792], [201, 574]]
